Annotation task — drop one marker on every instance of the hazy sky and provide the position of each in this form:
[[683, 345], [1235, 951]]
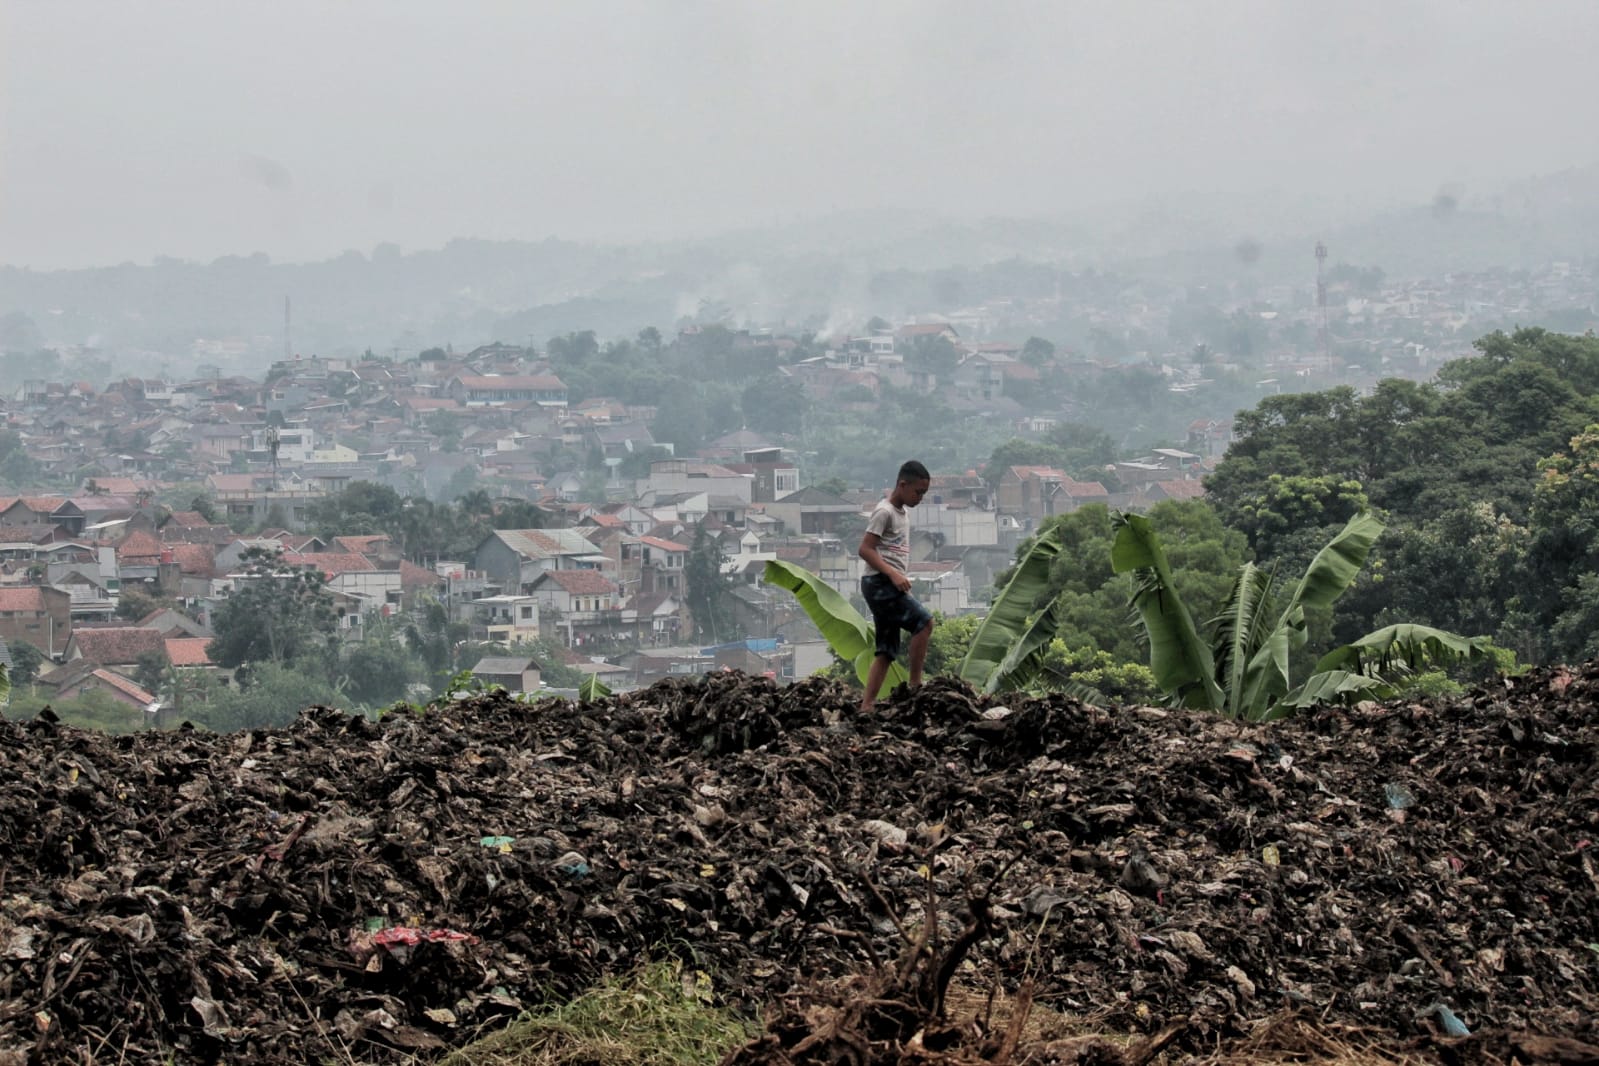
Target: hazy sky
[[130, 129]]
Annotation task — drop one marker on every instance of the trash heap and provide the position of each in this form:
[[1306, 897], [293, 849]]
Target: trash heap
[[375, 889]]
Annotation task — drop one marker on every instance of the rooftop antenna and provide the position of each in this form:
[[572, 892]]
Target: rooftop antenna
[[1323, 337]]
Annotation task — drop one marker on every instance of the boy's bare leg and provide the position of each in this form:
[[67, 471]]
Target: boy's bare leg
[[874, 682], [918, 653]]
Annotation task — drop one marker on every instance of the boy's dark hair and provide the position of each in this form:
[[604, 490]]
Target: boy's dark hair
[[914, 471]]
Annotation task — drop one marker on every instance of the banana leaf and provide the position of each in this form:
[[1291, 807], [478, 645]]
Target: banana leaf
[[1005, 649], [1240, 630], [1404, 645], [1181, 661], [592, 688], [1327, 577], [5, 686], [1330, 686], [851, 636]]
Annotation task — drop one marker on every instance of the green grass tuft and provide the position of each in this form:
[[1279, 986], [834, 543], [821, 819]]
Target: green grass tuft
[[659, 1015]]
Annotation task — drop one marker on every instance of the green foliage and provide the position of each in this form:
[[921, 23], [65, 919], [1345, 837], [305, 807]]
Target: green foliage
[[1008, 645], [134, 602], [25, 662], [660, 1015], [1123, 683], [1090, 599], [707, 591], [378, 670], [851, 636], [1482, 536], [150, 668], [95, 709], [1288, 504], [775, 404], [951, 639], [276, 613], [274, 695], [592, 689], [1241, 668]]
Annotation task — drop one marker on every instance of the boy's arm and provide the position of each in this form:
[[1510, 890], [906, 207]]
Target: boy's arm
[[875, 560]]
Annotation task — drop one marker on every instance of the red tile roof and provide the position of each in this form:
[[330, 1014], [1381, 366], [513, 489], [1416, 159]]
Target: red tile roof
[[123, 685], [197, 559], [1182, 490], [362, 544], [581, 582], [138, 545], [117, 645], [418, 577], [663, 544], [188, 651], [29, 598]]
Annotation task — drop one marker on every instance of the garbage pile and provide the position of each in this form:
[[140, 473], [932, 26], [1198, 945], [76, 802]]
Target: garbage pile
[[376, 889]]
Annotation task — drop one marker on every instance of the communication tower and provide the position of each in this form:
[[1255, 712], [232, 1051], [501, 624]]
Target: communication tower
[[1323, 334]]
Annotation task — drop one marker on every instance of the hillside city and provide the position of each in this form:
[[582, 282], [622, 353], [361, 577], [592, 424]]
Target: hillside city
[[167, 492]]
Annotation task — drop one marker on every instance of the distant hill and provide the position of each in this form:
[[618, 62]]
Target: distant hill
[[842, 267]]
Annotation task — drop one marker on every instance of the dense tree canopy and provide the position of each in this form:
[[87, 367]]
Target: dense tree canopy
[[1479, 474]]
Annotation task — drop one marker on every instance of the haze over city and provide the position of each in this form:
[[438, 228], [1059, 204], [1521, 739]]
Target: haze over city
[[300, 130]]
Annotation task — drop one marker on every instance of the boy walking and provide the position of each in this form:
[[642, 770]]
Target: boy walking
[[886, 550]]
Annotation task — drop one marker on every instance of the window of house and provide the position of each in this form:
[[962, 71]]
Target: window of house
[[527, 610]]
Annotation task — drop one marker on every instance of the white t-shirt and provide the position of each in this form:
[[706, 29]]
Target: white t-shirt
[[893, 528]]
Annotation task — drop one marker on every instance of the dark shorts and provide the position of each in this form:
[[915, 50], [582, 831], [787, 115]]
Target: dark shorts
[[892, 611]]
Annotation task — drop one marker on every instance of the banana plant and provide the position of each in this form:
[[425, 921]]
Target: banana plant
[[592, 688], [851, 636], [1242, 668], [1007, 651]]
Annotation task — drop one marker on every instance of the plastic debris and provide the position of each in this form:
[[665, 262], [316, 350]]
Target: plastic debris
[[1398, 796]]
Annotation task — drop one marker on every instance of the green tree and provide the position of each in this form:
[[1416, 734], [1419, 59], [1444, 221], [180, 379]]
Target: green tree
[[707, 590], [1288, 504], [149, 669], [936, 355], [133, 603], [774, 403], [276, 613], [1038, 351], [25, 663], [378, 670], [272, 696]]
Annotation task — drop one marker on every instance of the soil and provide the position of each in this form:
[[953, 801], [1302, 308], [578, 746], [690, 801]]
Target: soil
[[347, 887]]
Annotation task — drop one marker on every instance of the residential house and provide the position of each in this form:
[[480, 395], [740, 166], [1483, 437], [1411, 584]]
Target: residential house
[[670, 476], [36, 615], [515, 673], [84, 675], [356, 576], [505, 619], [941, 586], [1182, 489], [117, 646], [514, 558], [1034, 493], [812, 510], [475, 390], [583, 604], [772, 476]]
